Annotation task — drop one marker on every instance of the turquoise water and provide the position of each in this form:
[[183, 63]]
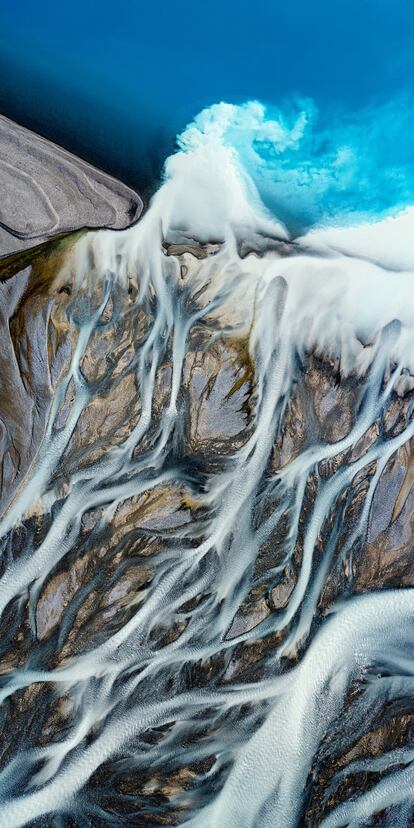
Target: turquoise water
[[358, 167], [116, 83]]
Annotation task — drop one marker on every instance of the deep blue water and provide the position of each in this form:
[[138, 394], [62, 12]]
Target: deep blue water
[[115, 81]]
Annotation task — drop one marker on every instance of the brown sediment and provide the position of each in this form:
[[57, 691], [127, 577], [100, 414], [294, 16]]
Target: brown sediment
[[197, 249], [219, 390], [407, 482], [386, 736], [98, 586], [42, 257], [36, 347]]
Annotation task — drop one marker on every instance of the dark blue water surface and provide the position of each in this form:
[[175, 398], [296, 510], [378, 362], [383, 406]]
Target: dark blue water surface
[[115, 81]]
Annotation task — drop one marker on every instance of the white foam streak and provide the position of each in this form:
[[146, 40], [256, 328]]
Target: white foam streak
[[326, 293]]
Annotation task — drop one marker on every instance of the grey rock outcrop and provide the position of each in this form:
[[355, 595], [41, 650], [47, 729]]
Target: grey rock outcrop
[[45, 191]]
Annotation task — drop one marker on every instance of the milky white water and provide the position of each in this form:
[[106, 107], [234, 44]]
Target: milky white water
[[345, 294]]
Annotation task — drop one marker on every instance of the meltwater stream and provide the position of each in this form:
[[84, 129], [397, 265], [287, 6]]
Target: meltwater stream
[[206, 596]]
